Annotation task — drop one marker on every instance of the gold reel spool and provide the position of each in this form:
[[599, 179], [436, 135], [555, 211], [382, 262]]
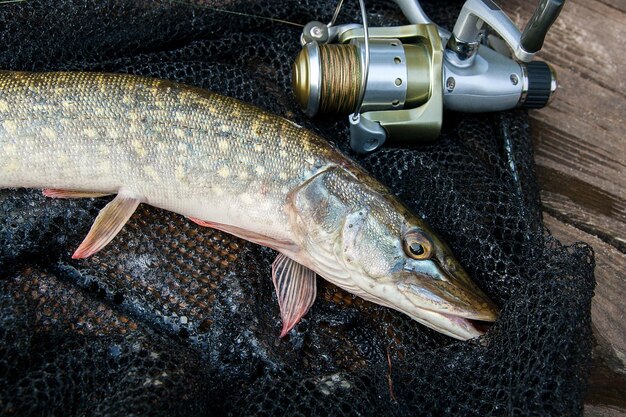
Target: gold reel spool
[[327, 78]]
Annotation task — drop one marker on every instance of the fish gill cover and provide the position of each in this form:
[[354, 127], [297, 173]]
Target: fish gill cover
[[174, 319]]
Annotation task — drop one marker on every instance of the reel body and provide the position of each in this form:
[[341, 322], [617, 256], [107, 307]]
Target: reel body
[[400, 78], [403, 92]]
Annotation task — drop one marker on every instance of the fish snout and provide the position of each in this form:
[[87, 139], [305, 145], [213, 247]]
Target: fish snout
[[447, 289]]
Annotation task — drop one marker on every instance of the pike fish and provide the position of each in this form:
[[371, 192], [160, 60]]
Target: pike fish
[[234, 167]]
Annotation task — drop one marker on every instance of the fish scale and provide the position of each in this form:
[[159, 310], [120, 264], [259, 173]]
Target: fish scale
[[164, 141], [234, 167]]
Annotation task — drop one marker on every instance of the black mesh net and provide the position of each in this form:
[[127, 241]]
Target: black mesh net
[[175, 319]]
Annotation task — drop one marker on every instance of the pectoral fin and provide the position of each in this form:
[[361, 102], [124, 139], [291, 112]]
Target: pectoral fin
[[296, 289], [54, 193], [109, 222]]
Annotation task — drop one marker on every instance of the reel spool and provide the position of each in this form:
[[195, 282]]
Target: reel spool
[[327, 77]]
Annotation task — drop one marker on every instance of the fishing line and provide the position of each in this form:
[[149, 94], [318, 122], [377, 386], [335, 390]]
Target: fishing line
[[204, 6], [340, 78], [366, 60], [336, 14]]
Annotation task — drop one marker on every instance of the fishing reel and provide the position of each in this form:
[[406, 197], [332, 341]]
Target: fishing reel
[[394, 82]]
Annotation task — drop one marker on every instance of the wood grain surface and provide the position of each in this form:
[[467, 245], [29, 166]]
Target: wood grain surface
[[580, 152], [607, 383]]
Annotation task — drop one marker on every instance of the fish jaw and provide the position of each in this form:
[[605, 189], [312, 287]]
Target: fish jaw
[[451, 320], [441, 299], [456, 326], [444, 287]]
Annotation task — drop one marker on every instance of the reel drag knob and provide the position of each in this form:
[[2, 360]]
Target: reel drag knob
[[540, 84]]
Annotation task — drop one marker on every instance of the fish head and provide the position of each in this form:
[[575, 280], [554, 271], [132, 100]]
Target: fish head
[[357, 235], [396, 260]]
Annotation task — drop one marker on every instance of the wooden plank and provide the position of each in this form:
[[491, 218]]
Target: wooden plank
[[580, 145], [619, 5], [608, 306], [598, 411], [580, 151], [607, 383], [575, 202]]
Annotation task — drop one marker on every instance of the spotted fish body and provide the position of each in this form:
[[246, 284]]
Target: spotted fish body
[[232, 166]]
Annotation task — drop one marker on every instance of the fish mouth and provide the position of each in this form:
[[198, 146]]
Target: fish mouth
[[441, 295], [465, 329], [438, 294], [458, 327], [462, 315], [461, 325]]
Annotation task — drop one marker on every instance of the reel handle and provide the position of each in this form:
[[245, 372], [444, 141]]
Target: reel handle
[[539, 24], [475, 14]]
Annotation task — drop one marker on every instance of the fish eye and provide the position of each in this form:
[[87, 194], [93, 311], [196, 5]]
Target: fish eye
[[416, 249], [417, 245]]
